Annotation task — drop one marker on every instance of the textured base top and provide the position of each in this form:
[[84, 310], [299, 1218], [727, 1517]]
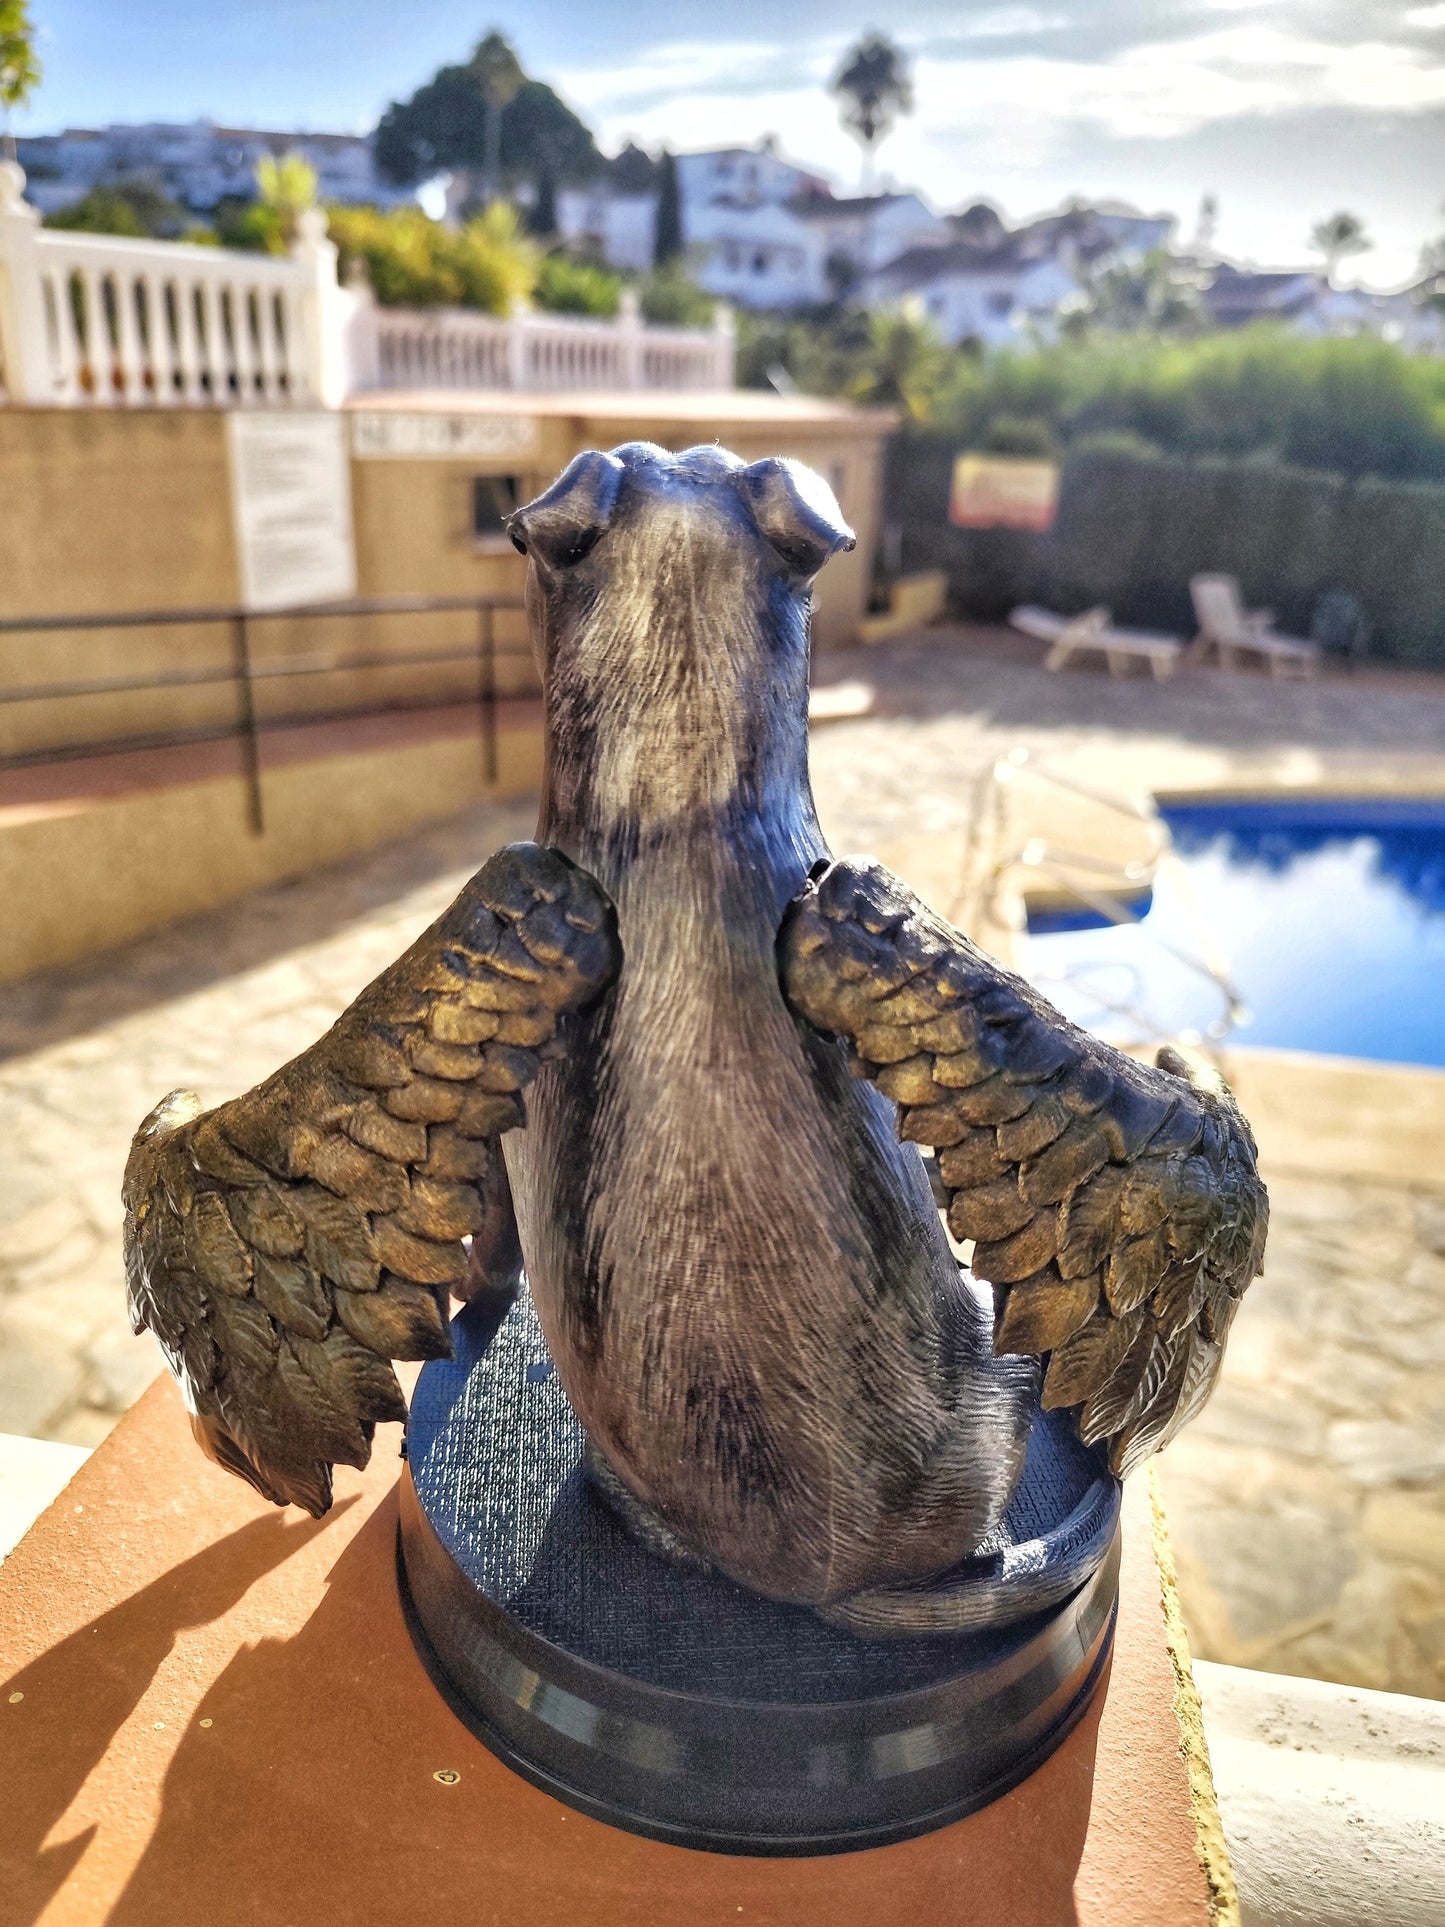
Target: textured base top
[[496, 1455]]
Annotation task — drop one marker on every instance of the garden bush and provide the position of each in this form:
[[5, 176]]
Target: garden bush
[[566, 285], [1351, 407], [412, 261]]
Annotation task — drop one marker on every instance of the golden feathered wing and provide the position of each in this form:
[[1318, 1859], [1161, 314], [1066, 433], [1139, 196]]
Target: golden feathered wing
[[286, 1246], [1116, 1207]]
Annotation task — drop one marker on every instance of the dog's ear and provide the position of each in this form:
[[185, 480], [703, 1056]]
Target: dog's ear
[[797, 511], [561, 526]]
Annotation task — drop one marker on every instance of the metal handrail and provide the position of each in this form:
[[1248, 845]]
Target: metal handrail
[[244, 673], [404, 605]]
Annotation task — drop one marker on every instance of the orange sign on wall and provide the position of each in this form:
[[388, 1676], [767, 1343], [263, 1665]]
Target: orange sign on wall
[[1003, 492]]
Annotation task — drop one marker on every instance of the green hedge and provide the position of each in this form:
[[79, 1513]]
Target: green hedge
[[1132, 529]]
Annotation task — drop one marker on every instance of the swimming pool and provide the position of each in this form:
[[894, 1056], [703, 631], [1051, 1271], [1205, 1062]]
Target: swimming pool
[[1329, 917]]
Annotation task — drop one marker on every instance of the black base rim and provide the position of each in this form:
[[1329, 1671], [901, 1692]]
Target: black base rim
[[753, 1845]]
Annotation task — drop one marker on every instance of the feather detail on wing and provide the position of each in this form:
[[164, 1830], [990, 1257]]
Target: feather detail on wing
[[285, 1247], [1115, 1207]]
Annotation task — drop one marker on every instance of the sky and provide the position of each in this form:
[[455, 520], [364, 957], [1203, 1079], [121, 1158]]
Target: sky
[[1285, 112]]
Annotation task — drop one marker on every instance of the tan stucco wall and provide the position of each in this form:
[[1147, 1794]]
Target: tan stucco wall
[[75, 879], [104, 511], [412, 517], [130, 509]]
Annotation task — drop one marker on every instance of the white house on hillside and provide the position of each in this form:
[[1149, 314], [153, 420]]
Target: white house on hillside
[[196, 163], [1131, 232], [740, 227], [1415, 316], [762, 256], [744, 177], [868, 231], [1304, 300], [760, 231], [619, 229], [989, 295], [997, 286], [768, 234]]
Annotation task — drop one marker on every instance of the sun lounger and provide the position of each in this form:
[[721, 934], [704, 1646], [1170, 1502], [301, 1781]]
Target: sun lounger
[[1233, 632], [1093, 633]]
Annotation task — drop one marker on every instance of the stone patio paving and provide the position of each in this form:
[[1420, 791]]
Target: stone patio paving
[[1308, 1504]]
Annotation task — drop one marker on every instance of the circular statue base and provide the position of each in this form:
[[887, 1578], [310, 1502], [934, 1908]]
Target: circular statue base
[[675, 1703]]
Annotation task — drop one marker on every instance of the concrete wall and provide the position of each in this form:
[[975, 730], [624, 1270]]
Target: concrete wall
[[130, 509]]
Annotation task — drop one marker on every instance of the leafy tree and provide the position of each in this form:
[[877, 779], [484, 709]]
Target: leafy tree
[[137, 209], [1207, 224], [566, 285], [634, 171], [875, 87], [447, 124], [842, 273], [1337, 238], [670, 298], [541, 135], [542, 214], [19, 63], [667, 239], [822, 353], [1431, 293], [248, 224], [1156, 293], [1027, 435], [499, 77]]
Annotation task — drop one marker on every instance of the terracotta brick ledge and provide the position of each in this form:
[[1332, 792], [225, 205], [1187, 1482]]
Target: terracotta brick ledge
[[212, 1713]]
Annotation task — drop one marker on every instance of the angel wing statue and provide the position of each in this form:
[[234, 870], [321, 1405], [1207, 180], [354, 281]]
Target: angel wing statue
[[681, 1064]]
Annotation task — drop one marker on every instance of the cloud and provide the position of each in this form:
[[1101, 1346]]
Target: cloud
[[1012, 94], [1010, 23], [1025, 104], [1024, 97]]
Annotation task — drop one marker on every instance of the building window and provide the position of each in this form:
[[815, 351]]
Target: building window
[[1001, 304], [494, 497], [760, 262]]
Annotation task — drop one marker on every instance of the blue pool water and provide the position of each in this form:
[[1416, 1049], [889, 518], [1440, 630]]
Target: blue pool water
[[1330, 916]]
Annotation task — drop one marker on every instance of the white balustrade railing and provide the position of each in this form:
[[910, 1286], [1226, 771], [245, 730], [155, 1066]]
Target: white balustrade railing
[[104, 321], [101, 321], [537, 353]]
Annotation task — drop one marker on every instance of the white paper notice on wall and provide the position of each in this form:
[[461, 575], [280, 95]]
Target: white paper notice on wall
[[291, 501]]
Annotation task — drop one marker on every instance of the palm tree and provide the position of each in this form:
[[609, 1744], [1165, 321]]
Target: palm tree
[[875, 87], [1341, 235], [903, 364], [499, 77], [19, 67]]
